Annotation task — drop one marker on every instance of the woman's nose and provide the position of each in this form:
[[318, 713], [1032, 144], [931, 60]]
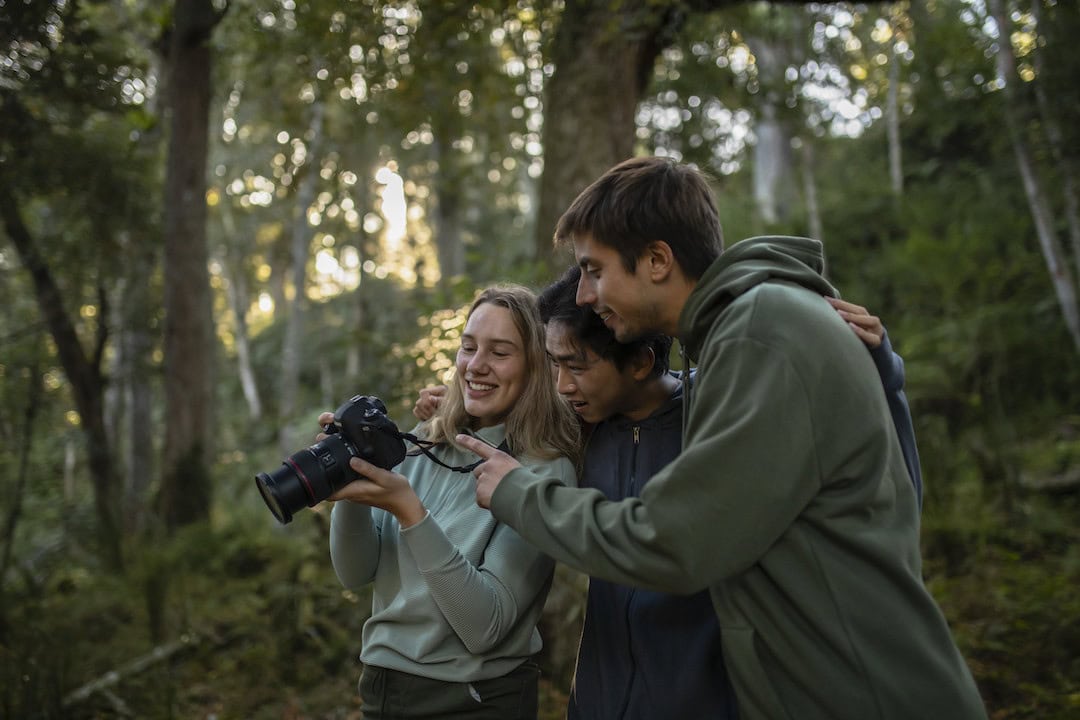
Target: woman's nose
[[478, 362]]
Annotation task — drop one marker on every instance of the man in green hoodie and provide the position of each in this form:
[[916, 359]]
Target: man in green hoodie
[[790, 501]]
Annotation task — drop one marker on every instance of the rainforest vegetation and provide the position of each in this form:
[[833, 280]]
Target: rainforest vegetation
[[219, 218]]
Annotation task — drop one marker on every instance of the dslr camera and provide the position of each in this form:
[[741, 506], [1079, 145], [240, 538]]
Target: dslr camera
[[360, 429]]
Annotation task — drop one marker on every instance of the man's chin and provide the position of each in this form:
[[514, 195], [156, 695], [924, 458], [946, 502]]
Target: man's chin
[[626, 335]]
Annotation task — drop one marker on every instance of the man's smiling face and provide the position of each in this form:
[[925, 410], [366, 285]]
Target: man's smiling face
[[595, 387], [625, 301]]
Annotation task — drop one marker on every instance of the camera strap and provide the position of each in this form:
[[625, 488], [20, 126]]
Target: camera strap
[[425, 447]]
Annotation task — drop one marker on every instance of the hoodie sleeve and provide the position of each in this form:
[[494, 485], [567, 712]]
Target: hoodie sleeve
[[890, 367], [747, 470]]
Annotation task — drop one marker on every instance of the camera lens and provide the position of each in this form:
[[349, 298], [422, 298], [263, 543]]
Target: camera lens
[[306, 478], [267, 489]]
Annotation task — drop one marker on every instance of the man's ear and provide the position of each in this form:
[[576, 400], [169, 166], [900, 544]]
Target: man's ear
[[660, 260], [641, 364]]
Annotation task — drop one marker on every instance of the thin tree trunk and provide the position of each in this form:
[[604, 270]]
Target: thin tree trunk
[[238, 300], [892, 123], [189, 340], [1040, 208], [774, 179], [136, 348], [813, 210], [448, 209], [15, 504], [769, 165], [83, 374], [300, 249], [354, 354], [1057, 145], [236, 248]]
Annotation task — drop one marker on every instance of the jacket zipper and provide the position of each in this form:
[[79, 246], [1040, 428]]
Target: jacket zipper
[[632, 592]]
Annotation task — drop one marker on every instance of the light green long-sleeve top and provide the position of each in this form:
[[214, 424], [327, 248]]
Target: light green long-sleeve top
[[457, 596]]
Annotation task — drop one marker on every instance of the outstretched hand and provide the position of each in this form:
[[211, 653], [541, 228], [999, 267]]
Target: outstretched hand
[[496, 464], [868, 327]]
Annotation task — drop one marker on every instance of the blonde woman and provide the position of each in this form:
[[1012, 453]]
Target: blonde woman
[[457, 595]]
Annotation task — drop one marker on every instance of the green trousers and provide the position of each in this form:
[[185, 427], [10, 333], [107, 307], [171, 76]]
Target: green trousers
[[394, 695]]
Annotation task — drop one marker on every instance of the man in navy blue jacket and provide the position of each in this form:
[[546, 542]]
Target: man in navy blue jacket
[[643, 654]]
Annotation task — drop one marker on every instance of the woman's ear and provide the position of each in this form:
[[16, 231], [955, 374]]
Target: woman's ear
[[660, 259]]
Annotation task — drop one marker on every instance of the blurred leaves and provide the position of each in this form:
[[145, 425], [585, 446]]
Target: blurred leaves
[[450, 101]]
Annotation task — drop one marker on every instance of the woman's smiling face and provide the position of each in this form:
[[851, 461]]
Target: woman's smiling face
[[491, 364]]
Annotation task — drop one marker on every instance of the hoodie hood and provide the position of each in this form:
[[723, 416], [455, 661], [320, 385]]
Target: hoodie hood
[[744, 266]]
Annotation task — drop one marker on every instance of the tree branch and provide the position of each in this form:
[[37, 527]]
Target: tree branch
[[106, 681]]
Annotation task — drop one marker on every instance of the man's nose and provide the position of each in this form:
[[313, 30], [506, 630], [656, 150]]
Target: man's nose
[[564, 382], [585, 293]]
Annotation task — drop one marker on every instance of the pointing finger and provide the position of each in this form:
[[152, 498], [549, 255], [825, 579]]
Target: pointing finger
[[475, 446]]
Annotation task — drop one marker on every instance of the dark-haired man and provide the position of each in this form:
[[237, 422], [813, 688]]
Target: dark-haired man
[[790, 502]]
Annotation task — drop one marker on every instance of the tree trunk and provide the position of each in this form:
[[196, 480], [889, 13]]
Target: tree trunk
[[189, 341], [892, 123], [237, 248], [774, 177], [300, 249], [448, 207], [136, 368], [603, 61], [84, 375], [813, 209], [1040, 208], [357, 310], [1056, 141], [15, 504]]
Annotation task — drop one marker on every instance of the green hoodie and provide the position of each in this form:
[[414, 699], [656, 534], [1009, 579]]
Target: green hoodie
[[790, 502]]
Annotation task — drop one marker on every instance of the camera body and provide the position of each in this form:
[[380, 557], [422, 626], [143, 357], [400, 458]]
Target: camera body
[[362, 429]]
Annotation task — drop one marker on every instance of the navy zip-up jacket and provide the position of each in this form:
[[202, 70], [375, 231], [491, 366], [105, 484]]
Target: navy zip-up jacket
[[645, 654]]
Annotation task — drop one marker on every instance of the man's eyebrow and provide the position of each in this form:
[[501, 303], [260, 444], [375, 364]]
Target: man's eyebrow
[[569, 357], [584, 260]]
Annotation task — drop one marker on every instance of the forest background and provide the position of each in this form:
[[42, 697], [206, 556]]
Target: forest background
[[218, 219]]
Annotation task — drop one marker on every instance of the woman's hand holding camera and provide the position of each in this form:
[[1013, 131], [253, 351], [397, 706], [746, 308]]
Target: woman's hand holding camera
[[379, 488]]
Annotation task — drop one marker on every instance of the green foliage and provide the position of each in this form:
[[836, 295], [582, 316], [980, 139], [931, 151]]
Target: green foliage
[[451, 99], [1008, 589], [248, 600]]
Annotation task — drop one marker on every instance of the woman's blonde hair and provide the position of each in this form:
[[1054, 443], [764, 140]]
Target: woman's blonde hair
[[540, 424]]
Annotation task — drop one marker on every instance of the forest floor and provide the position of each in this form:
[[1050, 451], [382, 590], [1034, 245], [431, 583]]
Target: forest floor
[[253, 625]]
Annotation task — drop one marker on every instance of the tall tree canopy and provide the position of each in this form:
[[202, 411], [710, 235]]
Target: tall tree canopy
[[218, 218]]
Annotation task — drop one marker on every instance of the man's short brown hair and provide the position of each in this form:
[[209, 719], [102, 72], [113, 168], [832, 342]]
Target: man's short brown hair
[[643, 200]]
